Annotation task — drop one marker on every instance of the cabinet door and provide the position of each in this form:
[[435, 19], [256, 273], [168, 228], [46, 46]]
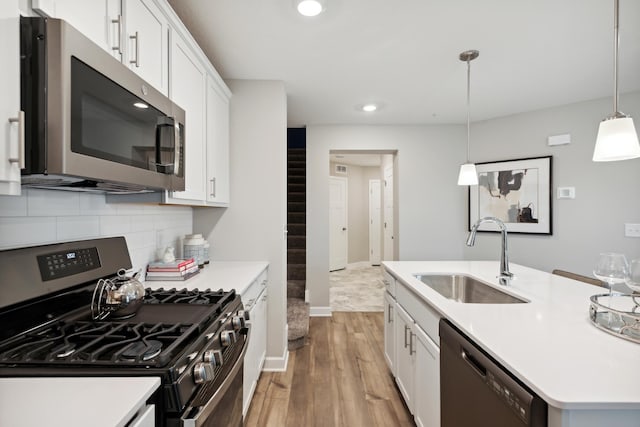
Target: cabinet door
[[389, 331], [404, 356], [12, 122], [256, 349], [99, 20], [427, 380], [146, 41], [217, 145], [188, 90]]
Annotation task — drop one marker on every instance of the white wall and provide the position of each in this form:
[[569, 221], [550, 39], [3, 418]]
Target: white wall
[[430, 217], [40, 217], [358, 209], [252, 228], [607, 193]]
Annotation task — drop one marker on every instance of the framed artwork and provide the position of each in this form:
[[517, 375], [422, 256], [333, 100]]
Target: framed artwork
[[518, 192]]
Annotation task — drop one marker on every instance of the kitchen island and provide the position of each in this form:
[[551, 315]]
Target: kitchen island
[[587, 377]]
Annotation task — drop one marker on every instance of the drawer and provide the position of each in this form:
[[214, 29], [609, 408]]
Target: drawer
[[389, 283], [252, 292], [421, 312]]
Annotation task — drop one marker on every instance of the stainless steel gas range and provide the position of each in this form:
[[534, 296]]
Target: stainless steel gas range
[[194, 340]]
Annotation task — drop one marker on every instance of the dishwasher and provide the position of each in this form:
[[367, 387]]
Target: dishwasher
[[475, 390]]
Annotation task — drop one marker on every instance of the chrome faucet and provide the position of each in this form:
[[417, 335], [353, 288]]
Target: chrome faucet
[[505, 274]]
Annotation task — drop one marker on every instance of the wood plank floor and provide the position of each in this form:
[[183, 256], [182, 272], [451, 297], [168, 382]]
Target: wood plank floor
[[338, 379]]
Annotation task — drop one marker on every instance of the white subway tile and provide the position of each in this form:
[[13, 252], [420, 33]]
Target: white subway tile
[[77, 227], [141, 257], [142, 222], [25, 231], [141, 239], [52, 203], [14, 205], [96, 204], [115, 225], [129, 208]]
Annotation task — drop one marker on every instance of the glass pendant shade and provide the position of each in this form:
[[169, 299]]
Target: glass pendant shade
[[468, 174], [617, 140]]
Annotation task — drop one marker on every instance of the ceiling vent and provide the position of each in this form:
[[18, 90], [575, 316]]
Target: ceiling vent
[[341, 169]]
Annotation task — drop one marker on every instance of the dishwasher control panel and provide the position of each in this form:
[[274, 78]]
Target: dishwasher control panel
[[508, 396]]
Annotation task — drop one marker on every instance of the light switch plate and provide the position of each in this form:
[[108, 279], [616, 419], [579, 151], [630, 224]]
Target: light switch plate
[[632, 230], [566, 193]]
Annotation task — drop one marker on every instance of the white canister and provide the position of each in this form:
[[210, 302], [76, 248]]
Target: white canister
[[205, 248], [193, 247]]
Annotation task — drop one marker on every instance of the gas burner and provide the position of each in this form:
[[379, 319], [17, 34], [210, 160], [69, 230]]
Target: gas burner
[[145, 350]]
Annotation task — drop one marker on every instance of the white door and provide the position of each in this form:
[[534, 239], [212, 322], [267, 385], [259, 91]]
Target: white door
[[388, 214], [337, 223], [11, 147], [375, 218]]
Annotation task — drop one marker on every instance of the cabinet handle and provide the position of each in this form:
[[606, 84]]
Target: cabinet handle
[[264, 298], [137, 50], [406, 344], [389, 318], [118, 22], [20, 157], [411, 350], [213, 187]]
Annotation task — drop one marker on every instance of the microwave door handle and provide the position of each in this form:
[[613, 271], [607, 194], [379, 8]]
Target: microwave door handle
[[176, 147]]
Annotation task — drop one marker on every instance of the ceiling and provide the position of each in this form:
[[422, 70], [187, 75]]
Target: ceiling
[[403, 55]]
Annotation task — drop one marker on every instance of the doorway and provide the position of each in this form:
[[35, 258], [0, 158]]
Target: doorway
[[338, 232]]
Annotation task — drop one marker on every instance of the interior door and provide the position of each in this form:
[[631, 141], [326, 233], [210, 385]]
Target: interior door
[[337, 223], [375, 218], [388, 214]]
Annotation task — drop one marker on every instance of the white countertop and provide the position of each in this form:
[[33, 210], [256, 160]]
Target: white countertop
[[72, 402], [224, 275], [549, 343]]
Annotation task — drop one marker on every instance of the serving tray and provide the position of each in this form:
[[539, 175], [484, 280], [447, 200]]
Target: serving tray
[[617, 314]]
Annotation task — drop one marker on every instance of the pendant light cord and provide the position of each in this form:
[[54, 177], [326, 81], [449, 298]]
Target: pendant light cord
[[469, 107], [616, 40]]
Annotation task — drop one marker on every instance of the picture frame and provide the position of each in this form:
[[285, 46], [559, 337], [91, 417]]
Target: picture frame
[[518, 192]]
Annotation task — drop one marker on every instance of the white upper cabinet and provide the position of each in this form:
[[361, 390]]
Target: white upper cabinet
[[99, 20], [11, 119], [146, 41], [217, 144], [188, 90]]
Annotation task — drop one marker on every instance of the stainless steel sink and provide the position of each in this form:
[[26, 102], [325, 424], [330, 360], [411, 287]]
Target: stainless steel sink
[[466, 289]]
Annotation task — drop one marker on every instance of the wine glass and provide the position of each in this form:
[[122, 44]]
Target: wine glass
[[633, 280], [611, 268]]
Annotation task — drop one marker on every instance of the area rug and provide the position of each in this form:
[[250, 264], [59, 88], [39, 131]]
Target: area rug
[[359, 287]]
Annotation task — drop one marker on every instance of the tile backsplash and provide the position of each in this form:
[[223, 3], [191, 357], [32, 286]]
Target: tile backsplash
[[47, 216]]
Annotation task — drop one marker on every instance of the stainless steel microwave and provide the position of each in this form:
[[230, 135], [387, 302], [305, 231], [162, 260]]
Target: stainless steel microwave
[[92, 124]]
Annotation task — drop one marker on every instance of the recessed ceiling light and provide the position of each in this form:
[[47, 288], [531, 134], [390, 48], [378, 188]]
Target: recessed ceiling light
[[369, 108], [141, 105], [310, 7]]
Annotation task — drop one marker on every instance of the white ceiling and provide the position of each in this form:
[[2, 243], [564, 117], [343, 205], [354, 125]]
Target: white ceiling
[[403, 54]]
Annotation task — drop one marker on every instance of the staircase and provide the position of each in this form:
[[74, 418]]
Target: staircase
[[297, 308]]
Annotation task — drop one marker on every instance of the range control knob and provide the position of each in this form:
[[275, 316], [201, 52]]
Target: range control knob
[[238, 322], [212, 357], [227, 338], [244, 314], [202, 372]]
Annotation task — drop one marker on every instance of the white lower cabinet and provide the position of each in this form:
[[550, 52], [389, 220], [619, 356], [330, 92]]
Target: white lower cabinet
[[404, 356], [389, 331], [427, 385], [255, 302], [412, 351]]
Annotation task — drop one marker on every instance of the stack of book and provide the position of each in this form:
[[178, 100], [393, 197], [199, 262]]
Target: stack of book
[[180, 269]]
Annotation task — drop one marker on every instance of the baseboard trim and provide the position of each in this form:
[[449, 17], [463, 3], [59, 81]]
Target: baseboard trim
[[320, 311], [276, 364]]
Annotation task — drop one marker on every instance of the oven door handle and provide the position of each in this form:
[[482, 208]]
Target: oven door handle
[[201, 417]]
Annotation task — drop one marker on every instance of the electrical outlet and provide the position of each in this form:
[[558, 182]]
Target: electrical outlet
[[632, 230]]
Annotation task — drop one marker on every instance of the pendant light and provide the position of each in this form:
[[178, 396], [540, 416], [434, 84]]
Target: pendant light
[[617, 138], [468, 174]]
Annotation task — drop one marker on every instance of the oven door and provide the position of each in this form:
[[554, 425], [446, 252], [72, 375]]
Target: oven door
[[224, 408]]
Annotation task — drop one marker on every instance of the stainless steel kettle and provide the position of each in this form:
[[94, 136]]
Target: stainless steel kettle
[[119, 297]]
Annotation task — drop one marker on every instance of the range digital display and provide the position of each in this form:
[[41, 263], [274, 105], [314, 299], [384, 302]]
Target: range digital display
[[63, 264]]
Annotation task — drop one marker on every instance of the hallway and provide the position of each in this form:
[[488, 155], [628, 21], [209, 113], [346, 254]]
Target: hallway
[[359, 287]]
